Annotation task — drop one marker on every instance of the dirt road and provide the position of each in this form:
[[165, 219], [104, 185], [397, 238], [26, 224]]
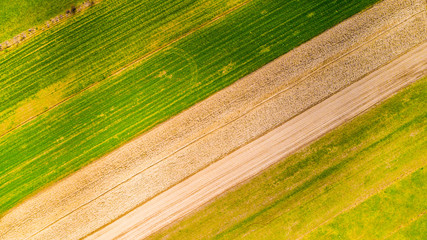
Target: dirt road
[[210, 130], [268, 149]]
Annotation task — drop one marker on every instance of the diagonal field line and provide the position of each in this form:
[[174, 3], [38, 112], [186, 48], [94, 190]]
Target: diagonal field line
[[127, 66], [346, 99], [406, 224], [261, 103]]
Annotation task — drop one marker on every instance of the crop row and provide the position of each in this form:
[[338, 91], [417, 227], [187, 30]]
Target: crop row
[[113, 112], [19, 16], [88, 49], [363, 180]]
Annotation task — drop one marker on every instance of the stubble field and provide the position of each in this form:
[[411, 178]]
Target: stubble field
[[364, 180], [67, 100]]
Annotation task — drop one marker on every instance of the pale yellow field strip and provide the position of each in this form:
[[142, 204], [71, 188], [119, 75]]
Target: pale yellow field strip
[[249, 160], [153, 162]]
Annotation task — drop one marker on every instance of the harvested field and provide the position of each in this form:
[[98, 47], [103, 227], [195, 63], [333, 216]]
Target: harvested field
[[363, 180], [338, 162], [76, 92], [252, 106]]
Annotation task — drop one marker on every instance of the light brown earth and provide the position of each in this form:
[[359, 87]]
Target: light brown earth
[[251, 159], [210, 130]]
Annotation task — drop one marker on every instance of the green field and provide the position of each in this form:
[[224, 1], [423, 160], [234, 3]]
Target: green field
[[182, 59], [365, 180], [19, 16], [385, 214]]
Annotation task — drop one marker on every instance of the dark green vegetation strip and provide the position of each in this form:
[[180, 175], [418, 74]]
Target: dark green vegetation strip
[[330, 177], [18, 16], [92, 47]]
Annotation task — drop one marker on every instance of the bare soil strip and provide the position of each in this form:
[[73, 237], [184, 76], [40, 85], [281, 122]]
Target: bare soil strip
[[123, 180], [268, 149]]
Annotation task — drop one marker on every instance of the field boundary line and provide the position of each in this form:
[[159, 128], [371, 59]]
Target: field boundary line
[[349, 51], [338, 57], [129, 65], [365, 104], [309, 107], [346, 49], [406, 224], [250, 110], [235, 119]]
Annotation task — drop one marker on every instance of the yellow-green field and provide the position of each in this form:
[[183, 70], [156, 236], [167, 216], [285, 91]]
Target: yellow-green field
[[19, 16], [83, 88], [364, 180]]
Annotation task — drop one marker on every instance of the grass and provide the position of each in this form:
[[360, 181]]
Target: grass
[[414, 230], [383, 213], [174, 74], [19, 16], [365, 179]]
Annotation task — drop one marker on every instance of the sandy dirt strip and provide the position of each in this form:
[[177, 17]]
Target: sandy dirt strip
[[155, 161], [268, 149]]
